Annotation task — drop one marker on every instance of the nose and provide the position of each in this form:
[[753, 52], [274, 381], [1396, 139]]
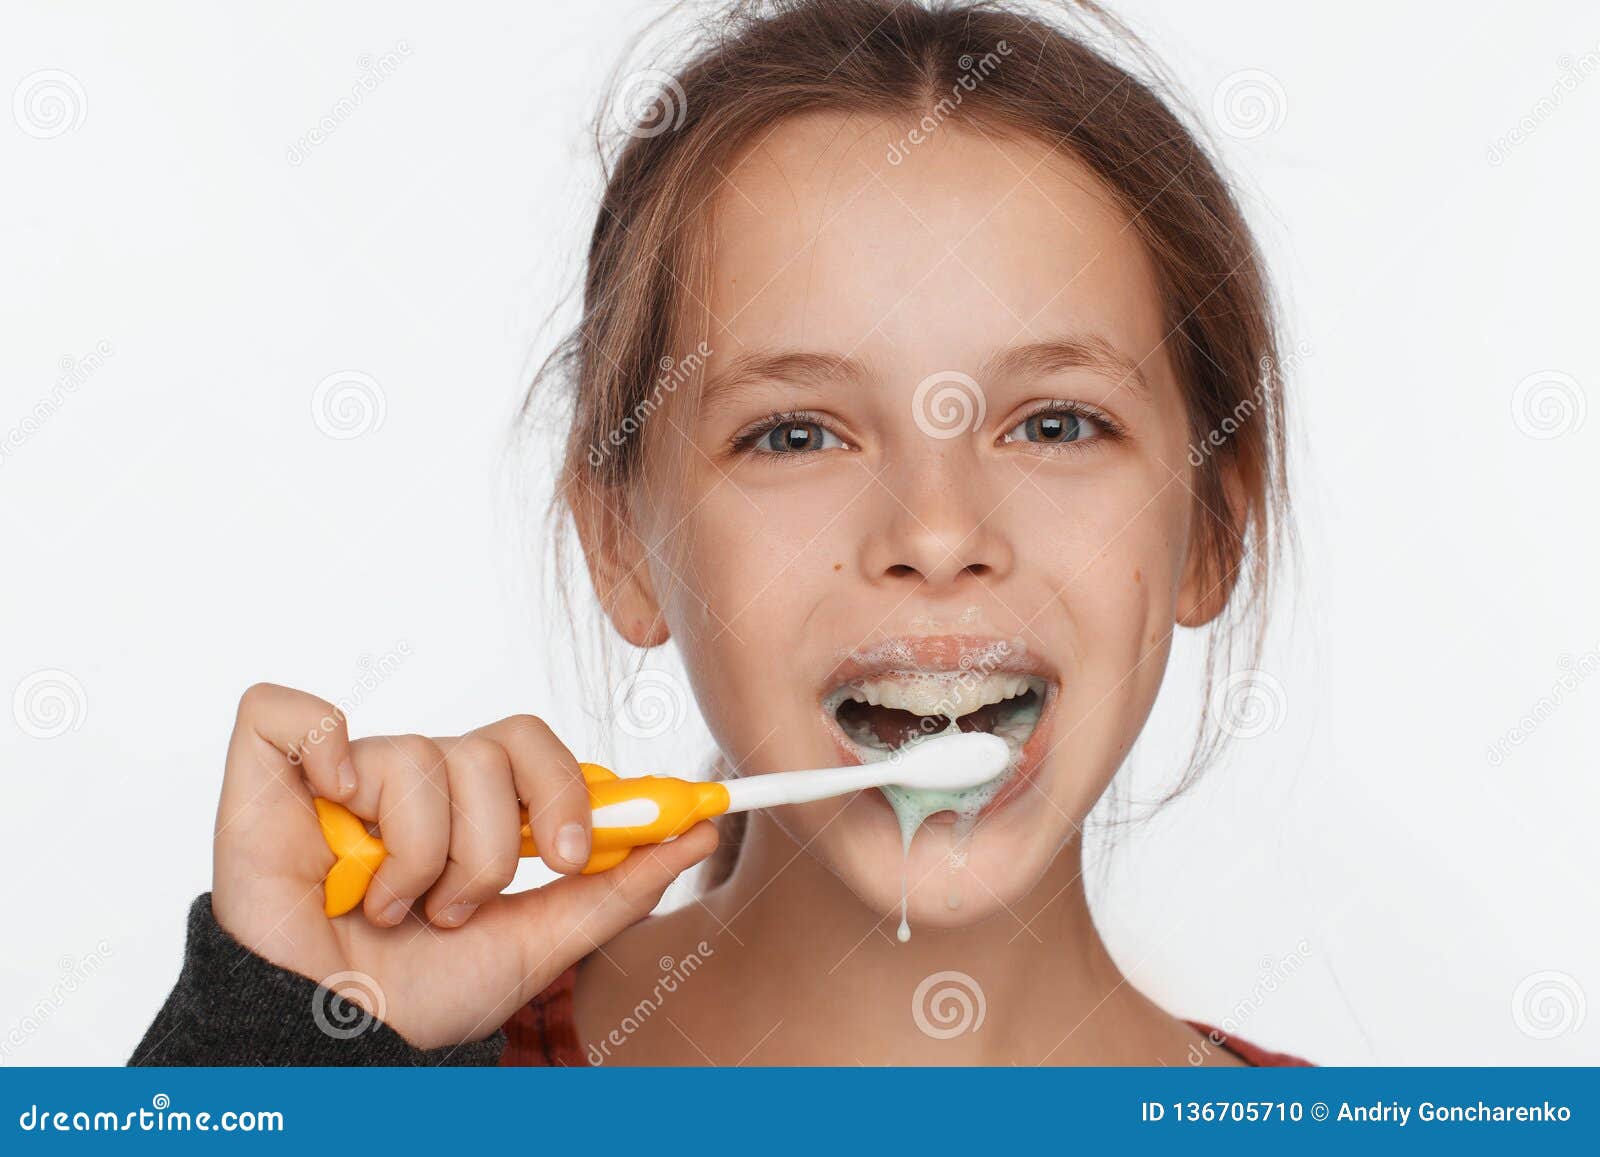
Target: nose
[[935, 525]]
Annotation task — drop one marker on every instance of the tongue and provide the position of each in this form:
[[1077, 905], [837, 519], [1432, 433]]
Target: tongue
[[894, 727]]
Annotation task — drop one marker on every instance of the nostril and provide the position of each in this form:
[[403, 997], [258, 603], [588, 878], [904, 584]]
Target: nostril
[[977, 570]]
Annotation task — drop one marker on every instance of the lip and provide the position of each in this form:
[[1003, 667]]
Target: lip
[[919, 655]]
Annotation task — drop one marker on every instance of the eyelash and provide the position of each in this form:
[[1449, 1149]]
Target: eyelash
[[748, 439], [1110, 429]]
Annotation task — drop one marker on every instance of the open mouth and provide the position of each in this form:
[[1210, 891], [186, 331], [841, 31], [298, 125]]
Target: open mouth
[[878, 715]]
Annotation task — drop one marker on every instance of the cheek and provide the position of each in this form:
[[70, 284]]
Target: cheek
[[758, 558], [751, 567], [1115, 558]]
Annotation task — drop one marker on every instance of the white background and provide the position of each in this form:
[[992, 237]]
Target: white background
[[181, 527]]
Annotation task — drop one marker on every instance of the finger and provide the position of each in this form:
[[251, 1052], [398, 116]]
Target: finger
[[485, 829], [554, 926], [549, 781], [310, 731], [403, 787]]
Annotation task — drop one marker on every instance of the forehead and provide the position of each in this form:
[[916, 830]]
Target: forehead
[[967, 242]]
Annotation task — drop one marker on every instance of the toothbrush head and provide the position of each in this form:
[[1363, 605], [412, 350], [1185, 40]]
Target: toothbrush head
[[950, 762]]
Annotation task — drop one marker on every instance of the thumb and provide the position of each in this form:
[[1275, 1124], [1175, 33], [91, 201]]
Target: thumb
[[557, 925]]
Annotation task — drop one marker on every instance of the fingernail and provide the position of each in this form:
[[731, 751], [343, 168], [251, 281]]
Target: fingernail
[[572, 843], [395, 912], [457, 913], [347, 776]]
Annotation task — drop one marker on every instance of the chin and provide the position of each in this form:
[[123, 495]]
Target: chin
[[958, 873], [972, 854]]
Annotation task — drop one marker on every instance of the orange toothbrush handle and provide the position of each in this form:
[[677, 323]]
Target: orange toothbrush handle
[[628, 813]]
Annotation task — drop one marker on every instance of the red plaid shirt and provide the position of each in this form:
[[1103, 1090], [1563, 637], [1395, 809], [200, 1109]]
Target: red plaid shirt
[[542, 1032]]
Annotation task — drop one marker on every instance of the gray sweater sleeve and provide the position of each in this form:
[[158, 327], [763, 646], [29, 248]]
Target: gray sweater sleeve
[[233, 1007]]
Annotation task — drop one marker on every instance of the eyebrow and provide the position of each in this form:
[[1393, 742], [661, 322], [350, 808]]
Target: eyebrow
[[1089, 351], [1086, 352], [749, 369]]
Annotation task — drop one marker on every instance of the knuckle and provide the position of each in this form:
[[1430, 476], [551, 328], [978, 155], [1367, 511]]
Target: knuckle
[[529, 729], [255, 698], [639, 889], [477, 756], [419, 753]]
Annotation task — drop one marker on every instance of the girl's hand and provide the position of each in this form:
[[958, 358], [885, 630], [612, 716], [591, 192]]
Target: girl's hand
[[450, 956]]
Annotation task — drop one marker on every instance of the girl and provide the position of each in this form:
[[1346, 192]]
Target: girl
[[983, 403]]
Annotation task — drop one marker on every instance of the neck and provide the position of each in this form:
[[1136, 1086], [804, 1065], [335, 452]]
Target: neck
[[1050, 991]]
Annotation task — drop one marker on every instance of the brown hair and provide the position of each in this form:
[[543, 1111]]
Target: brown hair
[[649, 253]]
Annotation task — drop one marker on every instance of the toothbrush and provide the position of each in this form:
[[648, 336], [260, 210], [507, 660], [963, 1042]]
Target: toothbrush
[[651, 809]]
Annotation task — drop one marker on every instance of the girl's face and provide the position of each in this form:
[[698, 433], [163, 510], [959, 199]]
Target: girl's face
[[940, 469]]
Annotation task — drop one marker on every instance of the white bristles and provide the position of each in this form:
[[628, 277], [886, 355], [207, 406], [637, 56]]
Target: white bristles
[[948, 763]]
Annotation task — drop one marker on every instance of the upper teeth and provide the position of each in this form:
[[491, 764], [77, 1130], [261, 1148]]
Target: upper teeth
[[938, 693]]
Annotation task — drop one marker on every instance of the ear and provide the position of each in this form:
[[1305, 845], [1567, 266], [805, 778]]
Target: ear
[[1216, 548], [618, 566]]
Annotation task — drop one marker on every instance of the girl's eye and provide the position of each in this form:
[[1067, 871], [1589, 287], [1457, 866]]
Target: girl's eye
[[1058, 426], [797, 436]]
